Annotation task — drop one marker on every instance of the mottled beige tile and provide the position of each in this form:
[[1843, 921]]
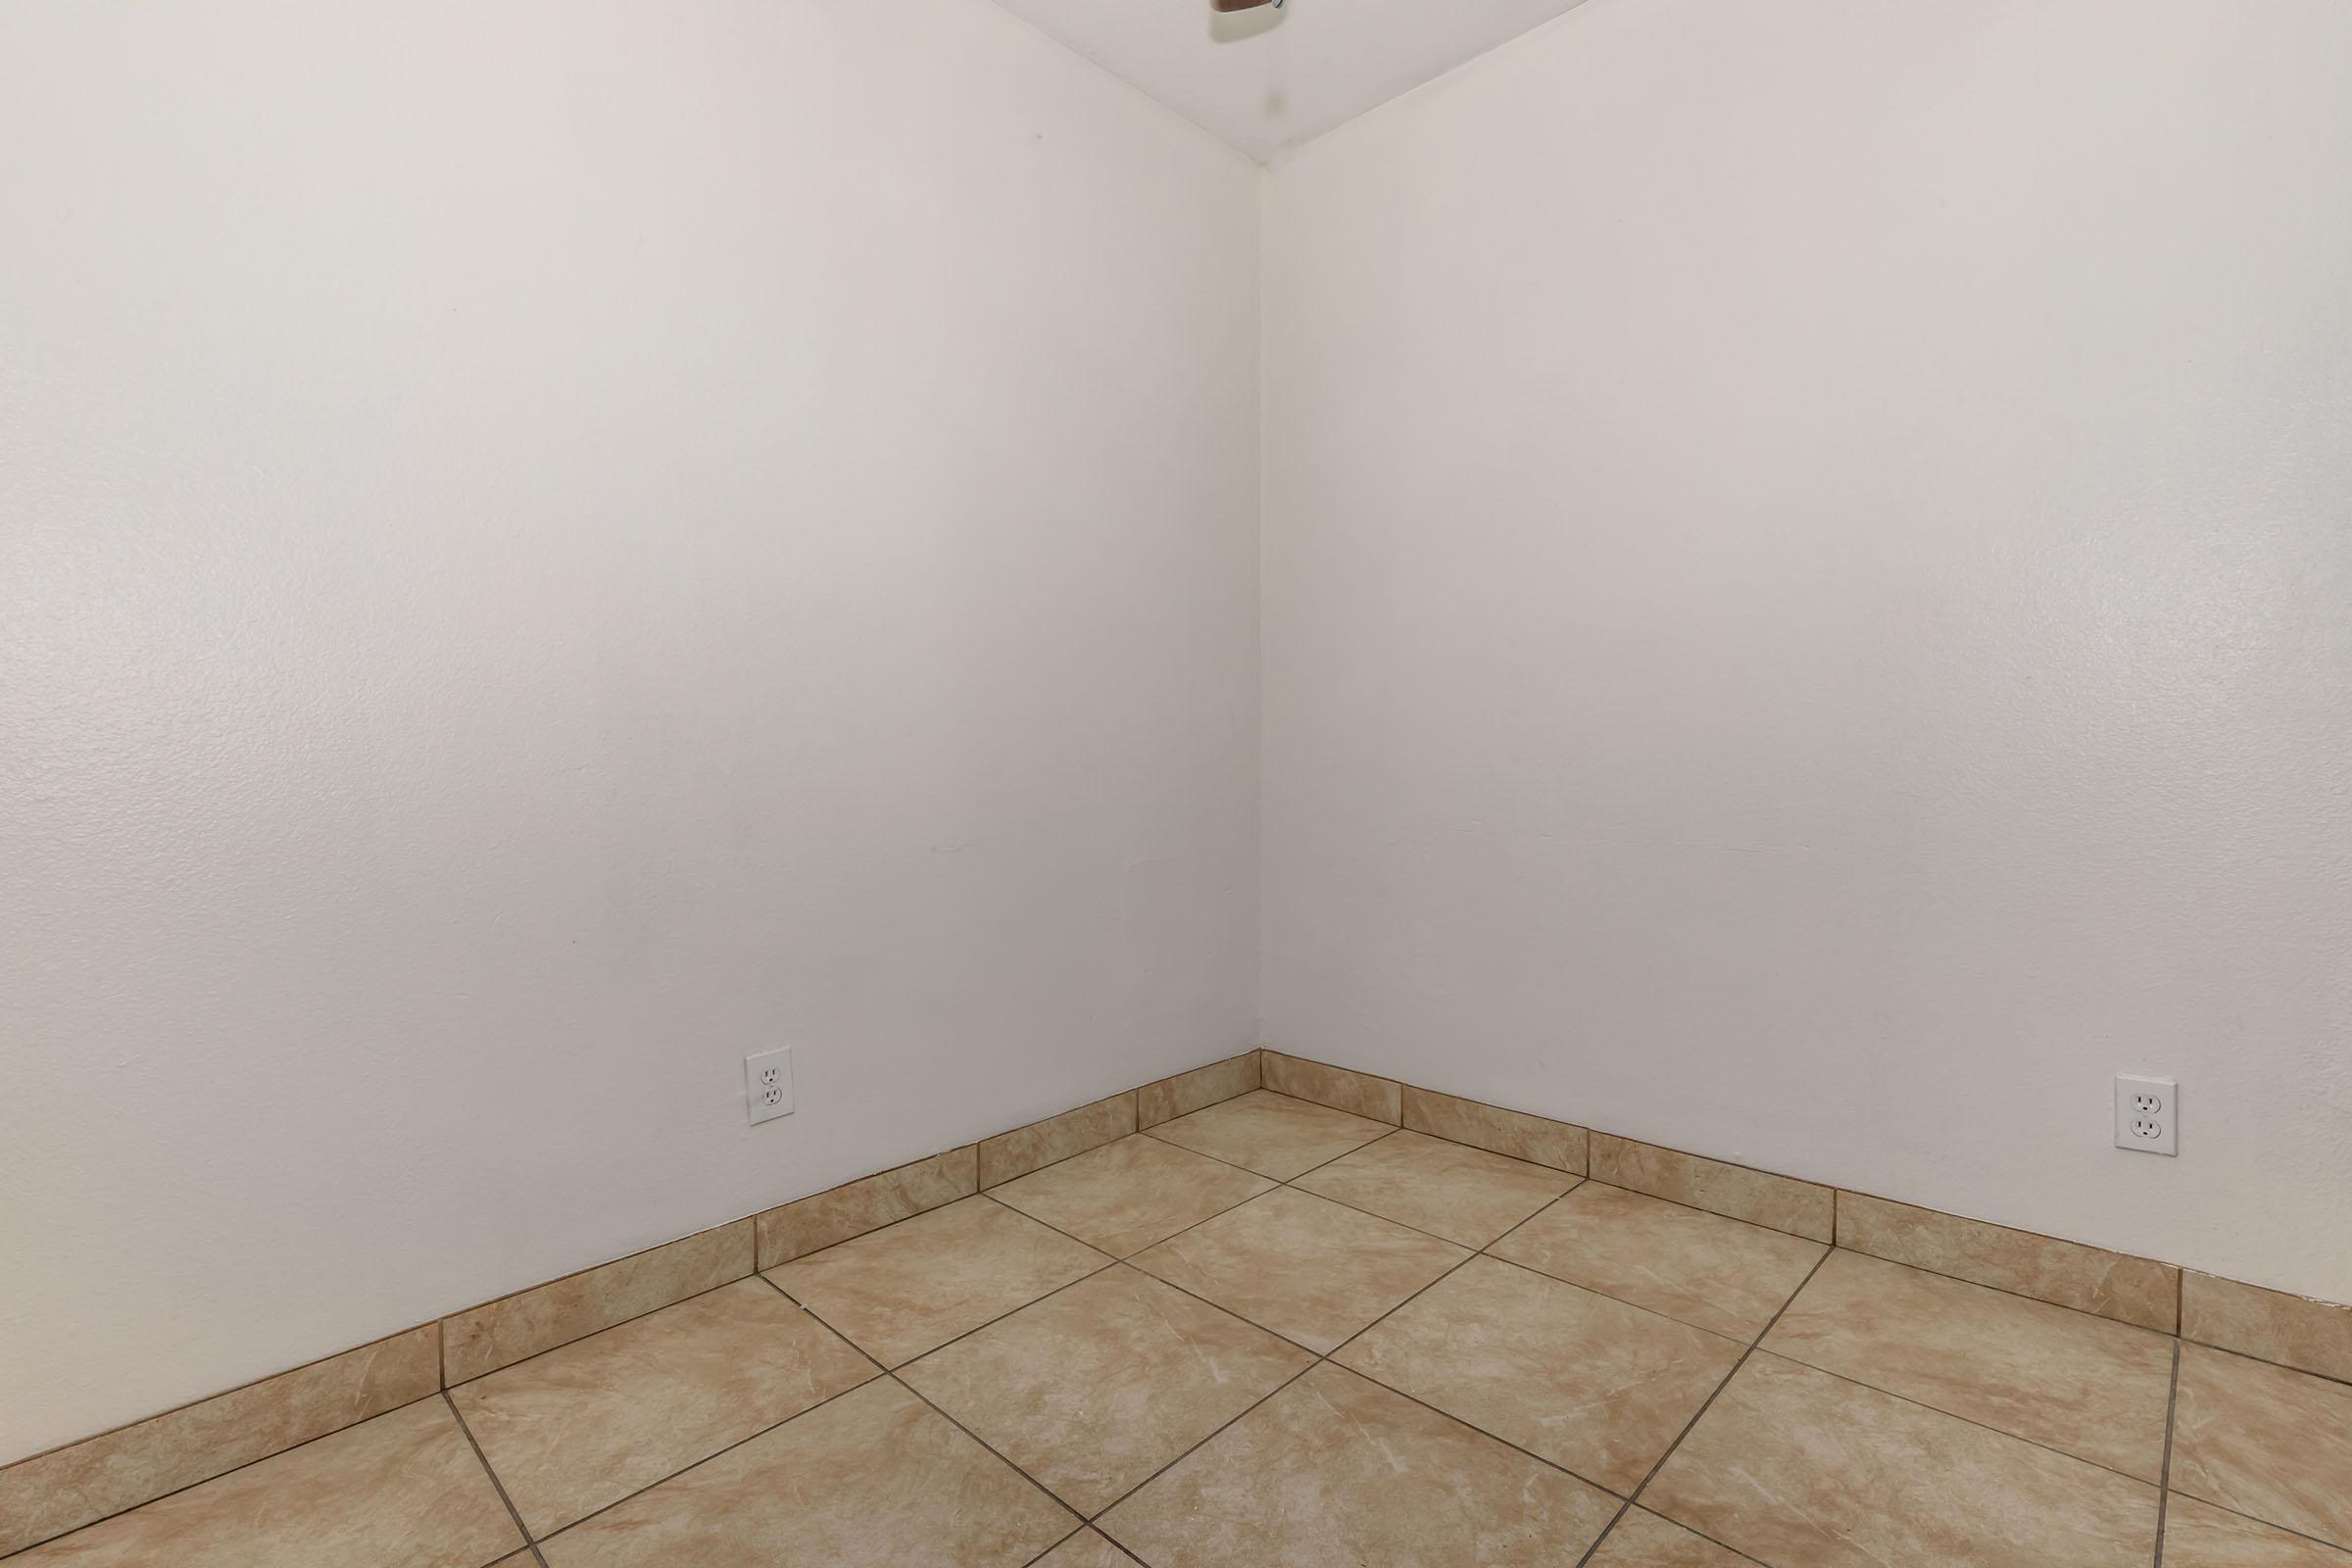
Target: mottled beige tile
[[1780, 1202], [402, 1491], [502, 1332], [1125, 1195], [2198, 1535], [1188, 1091], [1308, 1269], [912, 1288], [2268, 1325], [67, 1488], [1589, 1383], [1094, 1389], [1335, 1470], [1086, 1550], [874, 1477], [1358, 1094], [1042, 1143], [1793, 1466], [1720, 1273], [1271, 1134], [2265, 1441], [2083, 1385], [2089, 1279], [587, 1424], [1451, 1190], [812, 1224], [1643, 1540], [1538, 1139]]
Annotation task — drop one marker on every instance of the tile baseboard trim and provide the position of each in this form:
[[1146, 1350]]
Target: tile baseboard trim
[[2138, 1291], [77, 1484], [1198, 1089], [1742, 1192], [1517, 1134], [2296, 1331], [2267, 1324], [1359, 1093], [1056, 1138], [52, 1493], [65, 1489], [815, 1222]]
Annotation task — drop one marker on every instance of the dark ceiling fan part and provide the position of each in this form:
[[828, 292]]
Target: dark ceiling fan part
[[1243, 5]]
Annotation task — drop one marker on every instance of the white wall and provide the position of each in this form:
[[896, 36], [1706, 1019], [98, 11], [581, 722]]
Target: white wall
[[1808, 580], [545, 546]]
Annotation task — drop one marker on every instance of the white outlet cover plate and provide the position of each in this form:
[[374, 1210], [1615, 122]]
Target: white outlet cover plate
[[2147, 1115], [768, 1085]]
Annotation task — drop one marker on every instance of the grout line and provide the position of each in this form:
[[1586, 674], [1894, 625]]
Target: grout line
[[1108, 1264], [2002, 1290], [902, 1219], [1693, 1424], [209, 1480], [1966, 1420], [717, 1453], [640, 1317], [1005, 1458], [2284, 1366], [1062, 1160], [1140, 1251], [1212, 1437], [2164, 1478], [1591, 1133], [1634, 1507], [222, 1394], [1321, 1357], [2327, 1546], [891, 1374], [530, 1543]]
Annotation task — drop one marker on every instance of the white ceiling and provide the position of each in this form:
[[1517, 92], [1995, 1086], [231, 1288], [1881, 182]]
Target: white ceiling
[[1266, 80]]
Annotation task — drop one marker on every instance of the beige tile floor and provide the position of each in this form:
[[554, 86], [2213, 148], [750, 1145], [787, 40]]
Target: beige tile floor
[[1272, 1334]]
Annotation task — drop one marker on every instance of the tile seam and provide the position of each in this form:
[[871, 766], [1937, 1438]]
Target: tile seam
[[529, 1541], [1839, 1198], [1684, 1436], [208, 1480]]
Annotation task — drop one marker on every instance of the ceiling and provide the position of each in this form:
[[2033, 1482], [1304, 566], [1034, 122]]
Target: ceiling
[[1266, 80]]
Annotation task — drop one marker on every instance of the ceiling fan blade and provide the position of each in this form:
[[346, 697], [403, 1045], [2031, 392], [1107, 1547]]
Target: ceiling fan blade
[[1242, 5]]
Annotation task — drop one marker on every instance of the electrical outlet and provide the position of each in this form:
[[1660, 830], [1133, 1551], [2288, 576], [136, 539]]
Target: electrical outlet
[[768, 1085], [2147, 1115]]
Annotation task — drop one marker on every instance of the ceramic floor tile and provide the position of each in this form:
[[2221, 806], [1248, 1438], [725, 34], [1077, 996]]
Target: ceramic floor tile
[[1086, 1550], [586, 1425], [1584, 1380], [1337, 1472], [2086, 1386], [1307, 1269], [875, 1478], [402, 1491], [1643, 1540], [2263, 1440], [1271, 1134], [1718, 1273], [1126, 1196], [1093, 1389], [2198, 1534], [1451, 1190], [913, 1286], [1800, 1469]]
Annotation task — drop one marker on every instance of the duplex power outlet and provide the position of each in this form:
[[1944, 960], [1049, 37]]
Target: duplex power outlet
[[768, 1085], [2147, 1115]]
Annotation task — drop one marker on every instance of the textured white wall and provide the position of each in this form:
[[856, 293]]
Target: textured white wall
[[1808, 581], [545, 546]]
